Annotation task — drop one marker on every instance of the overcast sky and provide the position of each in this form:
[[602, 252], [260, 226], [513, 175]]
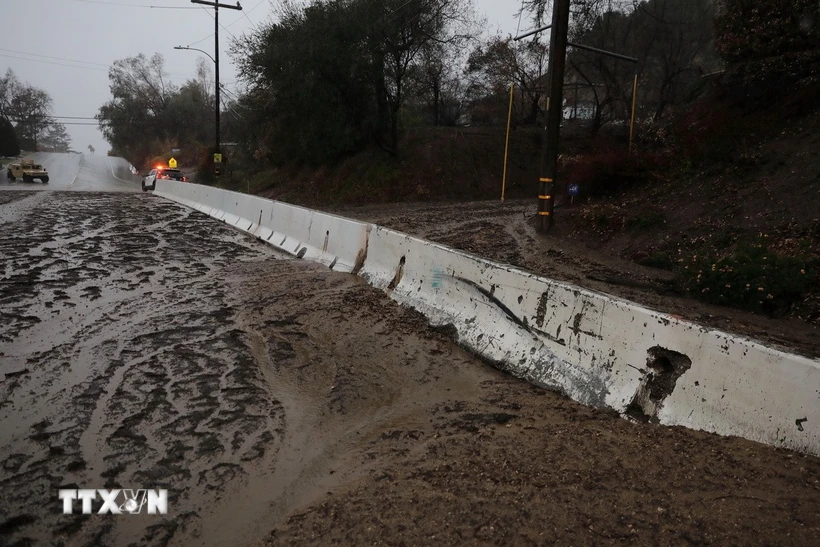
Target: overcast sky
[[66, 46]]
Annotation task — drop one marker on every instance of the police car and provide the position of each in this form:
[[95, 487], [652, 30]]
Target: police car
[[149, 181]]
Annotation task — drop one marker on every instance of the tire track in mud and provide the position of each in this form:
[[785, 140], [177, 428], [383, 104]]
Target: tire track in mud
[[121, 365], [145, 345], [164, 350]]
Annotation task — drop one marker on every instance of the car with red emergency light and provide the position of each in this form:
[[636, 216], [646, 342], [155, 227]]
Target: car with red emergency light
[[149, 181]]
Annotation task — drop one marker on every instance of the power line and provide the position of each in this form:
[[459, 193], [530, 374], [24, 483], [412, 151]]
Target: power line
[[48, 116], [223, 27], [246, 13], [49, 62], [86, 124], [52, 63], [229, 25], [129, 5], [50, 57]]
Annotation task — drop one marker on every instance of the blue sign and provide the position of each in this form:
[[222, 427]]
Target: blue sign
[[574, 189]]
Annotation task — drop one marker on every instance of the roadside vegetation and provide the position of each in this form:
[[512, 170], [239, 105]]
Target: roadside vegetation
[[26, 119], [366, 101]]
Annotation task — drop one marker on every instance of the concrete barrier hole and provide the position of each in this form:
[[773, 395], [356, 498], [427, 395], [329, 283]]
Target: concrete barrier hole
[[664, 367]]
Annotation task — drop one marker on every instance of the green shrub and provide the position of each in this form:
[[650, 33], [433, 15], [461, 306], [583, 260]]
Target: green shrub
[[9, 145], [659, 259], [751, 277], [645, 220]]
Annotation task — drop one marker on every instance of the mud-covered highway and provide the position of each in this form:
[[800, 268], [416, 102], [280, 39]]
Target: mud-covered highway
[[144, 345]]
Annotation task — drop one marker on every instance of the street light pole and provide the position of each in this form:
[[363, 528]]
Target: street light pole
[[215, 59], [199, 50]]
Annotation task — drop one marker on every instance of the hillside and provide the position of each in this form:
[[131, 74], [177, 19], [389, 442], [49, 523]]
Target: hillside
[[720, 224]]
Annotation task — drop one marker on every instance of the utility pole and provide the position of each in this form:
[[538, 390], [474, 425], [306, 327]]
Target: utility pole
[[549, 157], [555, 106], [216, 5]]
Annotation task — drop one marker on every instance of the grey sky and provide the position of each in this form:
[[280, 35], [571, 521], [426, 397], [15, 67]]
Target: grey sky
[[65, 46]]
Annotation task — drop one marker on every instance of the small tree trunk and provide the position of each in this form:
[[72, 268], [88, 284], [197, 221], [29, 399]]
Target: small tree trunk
[[394, 118], [436, 99]]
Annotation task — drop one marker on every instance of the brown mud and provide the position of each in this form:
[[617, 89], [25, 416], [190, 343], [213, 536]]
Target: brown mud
[[143, 345], [506, 233]]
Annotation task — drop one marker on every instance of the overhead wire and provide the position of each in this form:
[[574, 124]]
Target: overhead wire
[[223, 27], [54, 58], [246, 13], [229, 24], [130, 5], [51, 60]]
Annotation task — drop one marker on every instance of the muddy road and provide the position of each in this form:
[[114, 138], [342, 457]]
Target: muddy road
[[144, 345]]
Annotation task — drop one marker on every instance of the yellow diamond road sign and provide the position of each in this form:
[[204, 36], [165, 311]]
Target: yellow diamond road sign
[[217, 158], [172, 163]]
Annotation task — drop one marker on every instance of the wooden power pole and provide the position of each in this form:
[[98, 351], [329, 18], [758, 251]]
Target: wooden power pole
[[549, 156], [216, 6]]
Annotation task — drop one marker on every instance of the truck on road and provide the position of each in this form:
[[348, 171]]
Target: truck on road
[[27, 170]]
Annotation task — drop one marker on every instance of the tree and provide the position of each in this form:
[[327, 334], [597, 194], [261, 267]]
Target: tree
[[56, 139], [404, 29], [9, 146], [130, 121], [672, 39], [333, 76], [763, 28], [310, 79], [438, 90], [148, 115], [10, 87], [678, 38], [500, 62], [30, 109]]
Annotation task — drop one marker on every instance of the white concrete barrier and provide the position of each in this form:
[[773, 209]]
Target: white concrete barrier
[[595, 348], [337, 242]]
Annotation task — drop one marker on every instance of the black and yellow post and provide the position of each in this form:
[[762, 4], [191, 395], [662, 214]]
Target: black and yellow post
[[549, 158]]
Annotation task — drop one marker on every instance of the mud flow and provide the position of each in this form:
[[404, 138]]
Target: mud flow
[[144, 345]]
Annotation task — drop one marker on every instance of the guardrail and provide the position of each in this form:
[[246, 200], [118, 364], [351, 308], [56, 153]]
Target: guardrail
[[597, 349]]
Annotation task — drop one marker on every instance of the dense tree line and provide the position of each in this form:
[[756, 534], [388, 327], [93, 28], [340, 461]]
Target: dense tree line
[[148, 116], [331, 77], [28, 110]]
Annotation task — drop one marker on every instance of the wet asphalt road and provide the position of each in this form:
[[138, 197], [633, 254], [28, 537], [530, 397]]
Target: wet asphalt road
[[70, 172]]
